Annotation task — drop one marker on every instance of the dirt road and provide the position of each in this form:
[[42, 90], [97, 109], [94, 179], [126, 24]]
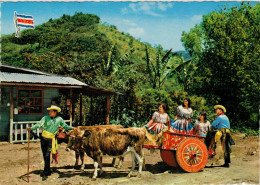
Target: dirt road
[[244, 168]]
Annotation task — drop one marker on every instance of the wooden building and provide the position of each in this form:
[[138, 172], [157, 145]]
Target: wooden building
[[26, 94]]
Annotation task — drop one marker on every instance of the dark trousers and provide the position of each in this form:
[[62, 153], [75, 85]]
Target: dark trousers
[[228, 142], [46, 145]]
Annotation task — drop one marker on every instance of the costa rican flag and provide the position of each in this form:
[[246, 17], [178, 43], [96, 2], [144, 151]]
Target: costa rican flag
[[25, 21]]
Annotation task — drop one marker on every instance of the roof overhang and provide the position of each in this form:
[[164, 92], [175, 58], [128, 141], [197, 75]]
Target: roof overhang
[[94, 91], [35, 85]]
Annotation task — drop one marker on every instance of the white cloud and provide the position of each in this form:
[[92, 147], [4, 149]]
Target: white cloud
[[136, 32], [150, 8], [124, 11], [164, 6], [133, 7], [128, 22], [196, 18], [146, 7]]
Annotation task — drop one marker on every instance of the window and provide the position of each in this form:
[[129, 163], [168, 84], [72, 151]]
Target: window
[[30, 101]]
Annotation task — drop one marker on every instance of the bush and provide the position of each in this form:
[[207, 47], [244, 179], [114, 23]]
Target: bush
[[247, 130]]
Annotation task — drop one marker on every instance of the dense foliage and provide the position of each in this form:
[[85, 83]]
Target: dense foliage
[[225, 49], [223, 67]]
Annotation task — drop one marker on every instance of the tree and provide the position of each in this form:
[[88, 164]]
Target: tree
[[114, 62], [163, 69], [155, 72], [225, 48]]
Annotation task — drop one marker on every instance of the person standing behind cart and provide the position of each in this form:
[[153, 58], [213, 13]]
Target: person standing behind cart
[[223, 139], [202, 125], [159, 120], [183, 119], [50, 125]]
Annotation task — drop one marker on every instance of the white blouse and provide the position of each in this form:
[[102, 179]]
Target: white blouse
[[204, 127], [160, 118], [184, 113]]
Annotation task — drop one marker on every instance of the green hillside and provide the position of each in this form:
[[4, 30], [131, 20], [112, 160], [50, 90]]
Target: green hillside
[[69, 41]]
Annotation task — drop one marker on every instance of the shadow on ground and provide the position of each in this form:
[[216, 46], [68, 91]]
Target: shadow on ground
[[70, 171]]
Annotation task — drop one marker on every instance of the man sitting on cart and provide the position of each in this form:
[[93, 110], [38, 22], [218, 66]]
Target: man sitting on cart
[[222, 137]]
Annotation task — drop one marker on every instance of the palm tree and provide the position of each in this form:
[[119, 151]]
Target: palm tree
[[114, 63], [162, 69]]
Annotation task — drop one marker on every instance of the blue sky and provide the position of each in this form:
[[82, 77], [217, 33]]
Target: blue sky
[[153, 22]]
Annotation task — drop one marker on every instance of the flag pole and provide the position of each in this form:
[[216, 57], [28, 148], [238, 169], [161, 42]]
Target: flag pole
[[16, 27]]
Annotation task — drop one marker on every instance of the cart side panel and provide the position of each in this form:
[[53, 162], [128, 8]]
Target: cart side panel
[[172, 140]]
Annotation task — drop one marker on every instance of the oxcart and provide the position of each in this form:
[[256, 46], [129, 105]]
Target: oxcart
[[185, 150]]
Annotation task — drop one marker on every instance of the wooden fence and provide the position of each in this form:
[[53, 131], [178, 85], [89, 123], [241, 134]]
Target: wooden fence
[[19, 133]]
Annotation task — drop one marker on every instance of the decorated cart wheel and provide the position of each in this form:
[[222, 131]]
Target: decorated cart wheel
[[169, 157], [192, 155]]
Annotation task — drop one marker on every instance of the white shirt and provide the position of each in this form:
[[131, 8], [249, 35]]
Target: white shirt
[[160, 118], [204, 127]]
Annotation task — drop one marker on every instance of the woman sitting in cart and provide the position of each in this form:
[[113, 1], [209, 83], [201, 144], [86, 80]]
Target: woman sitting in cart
[[159, 120], [202, 125], [183, 119]]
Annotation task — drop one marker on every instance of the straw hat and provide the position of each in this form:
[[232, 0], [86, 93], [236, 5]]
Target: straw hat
[[54, 107], [220, 107]]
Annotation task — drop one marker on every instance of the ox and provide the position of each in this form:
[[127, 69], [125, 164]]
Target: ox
[[63, 136], [112, 142]]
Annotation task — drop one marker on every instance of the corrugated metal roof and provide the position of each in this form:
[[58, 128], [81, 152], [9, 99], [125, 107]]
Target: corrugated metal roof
[[36, 78], [52, 80]]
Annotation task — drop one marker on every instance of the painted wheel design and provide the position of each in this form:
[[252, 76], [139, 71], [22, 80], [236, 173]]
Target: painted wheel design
[[169, 157], [192, 155]]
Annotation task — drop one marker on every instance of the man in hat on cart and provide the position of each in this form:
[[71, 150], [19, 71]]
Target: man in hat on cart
[[222, 137], [50, 125]]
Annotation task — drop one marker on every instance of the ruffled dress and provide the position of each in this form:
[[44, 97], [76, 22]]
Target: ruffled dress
[[183, 121], [202, 128], [159, 123]]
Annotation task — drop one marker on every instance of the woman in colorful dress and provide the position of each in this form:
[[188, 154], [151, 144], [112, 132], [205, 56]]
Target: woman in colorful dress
[[202, 125], [183, 118], [159, 120]]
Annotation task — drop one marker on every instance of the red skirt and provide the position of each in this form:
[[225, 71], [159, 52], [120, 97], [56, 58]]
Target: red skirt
[[155, 128]]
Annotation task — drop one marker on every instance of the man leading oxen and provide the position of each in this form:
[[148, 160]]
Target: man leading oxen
[[50, 125], [112, 142]]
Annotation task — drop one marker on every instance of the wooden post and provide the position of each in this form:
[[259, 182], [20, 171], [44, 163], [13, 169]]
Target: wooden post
[[80, 110], [108, 109], [28, 156], [70, 107], [91, 111], [11, 115]]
